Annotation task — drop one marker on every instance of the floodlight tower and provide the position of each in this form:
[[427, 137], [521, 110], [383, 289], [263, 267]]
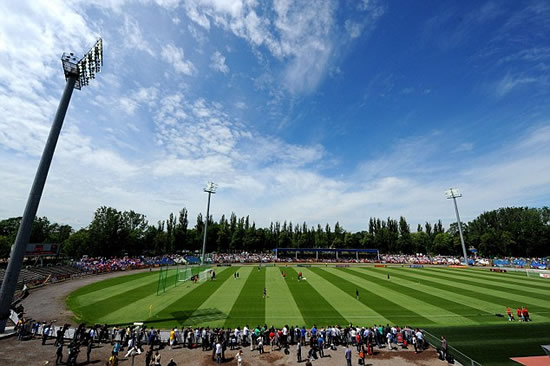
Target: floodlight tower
[[453, 194], [77, 74], [210, 189]]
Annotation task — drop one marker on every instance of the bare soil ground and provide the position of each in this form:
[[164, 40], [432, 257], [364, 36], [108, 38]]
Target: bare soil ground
[[32, 353], [48, 303]]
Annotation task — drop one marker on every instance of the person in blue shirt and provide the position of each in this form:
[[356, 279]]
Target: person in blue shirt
[[321, 344], [348, 356]]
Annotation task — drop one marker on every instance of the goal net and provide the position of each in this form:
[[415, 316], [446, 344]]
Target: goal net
[[205, 275], [538, 273], [184, 273]]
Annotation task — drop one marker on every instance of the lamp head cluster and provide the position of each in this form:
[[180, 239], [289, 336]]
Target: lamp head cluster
[[84, 69], [452, 193], [211, 187]]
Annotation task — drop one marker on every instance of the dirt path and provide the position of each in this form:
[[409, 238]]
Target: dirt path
[[32, 353]]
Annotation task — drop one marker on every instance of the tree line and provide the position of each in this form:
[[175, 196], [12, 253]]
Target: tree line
[[511, 231]]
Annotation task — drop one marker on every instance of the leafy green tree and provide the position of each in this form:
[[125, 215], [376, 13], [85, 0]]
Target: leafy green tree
[[5, 246], [77, 244], [443, 244]]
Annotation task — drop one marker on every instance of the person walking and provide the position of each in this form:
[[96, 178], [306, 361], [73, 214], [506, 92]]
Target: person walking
[[443, 347], [218, 352], [148, 357], [89, 350], [239, 357], [347, 355], [299, 352], [156, 359], [59, 354]]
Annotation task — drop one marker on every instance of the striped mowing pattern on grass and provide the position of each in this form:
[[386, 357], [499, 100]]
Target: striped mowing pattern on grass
[[279, 306], [503, 299], [183, 308], [249, 307], [395, 312], [481, 310], [313, 306], [494, 284], [118, 300], [356, 312], [214, 311], [463, 314], [96, 291], [414, 296], [140, 309]]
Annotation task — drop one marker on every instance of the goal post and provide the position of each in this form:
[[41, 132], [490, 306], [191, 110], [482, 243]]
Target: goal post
[[163, 279], [205, 275], [538, 273]]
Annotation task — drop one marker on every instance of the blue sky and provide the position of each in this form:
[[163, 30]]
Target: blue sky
[[318, 111]]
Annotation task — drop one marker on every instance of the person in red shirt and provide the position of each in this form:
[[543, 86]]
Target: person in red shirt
[[271, 340], [518, 311], [525, 314], [509, 312]]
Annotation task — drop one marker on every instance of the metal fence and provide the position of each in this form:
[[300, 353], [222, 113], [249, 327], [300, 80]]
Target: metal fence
[[458, 356]]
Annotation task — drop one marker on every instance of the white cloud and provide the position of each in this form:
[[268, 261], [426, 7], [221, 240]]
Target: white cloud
[[217, 62], [354, 29], [133, 37], [510, 82], [174, 55], [299, 32]]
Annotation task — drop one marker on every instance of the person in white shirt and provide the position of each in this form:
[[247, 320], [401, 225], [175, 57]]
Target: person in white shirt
[[239, 357], [218, 352], [388, 340]]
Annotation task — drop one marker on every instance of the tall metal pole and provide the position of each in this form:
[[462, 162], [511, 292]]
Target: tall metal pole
[[23, 234], [205, 228], [460, 231]]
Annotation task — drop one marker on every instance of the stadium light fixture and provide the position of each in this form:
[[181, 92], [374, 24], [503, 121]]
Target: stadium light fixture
[[77, 74], [210, 188], [453, 193]]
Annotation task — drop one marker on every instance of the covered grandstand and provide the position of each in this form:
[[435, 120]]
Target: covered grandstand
[[337, 253]]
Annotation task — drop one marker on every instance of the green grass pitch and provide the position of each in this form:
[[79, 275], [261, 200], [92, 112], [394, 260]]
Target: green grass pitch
[[458, 303]]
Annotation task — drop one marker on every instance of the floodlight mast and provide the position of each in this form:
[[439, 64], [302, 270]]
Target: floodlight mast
[[77, 73], [210, 189], [453, 194]]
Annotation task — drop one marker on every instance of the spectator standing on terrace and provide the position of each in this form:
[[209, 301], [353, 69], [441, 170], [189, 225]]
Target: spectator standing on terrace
[[45, 332], [89, 347], [347, 355], [239, 357], [156, 359], [299, 352], [218, 352], [59, 354], [172, 338], [443, 347]]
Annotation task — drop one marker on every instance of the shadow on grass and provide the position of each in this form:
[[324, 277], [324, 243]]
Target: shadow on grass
[[191, 317]]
